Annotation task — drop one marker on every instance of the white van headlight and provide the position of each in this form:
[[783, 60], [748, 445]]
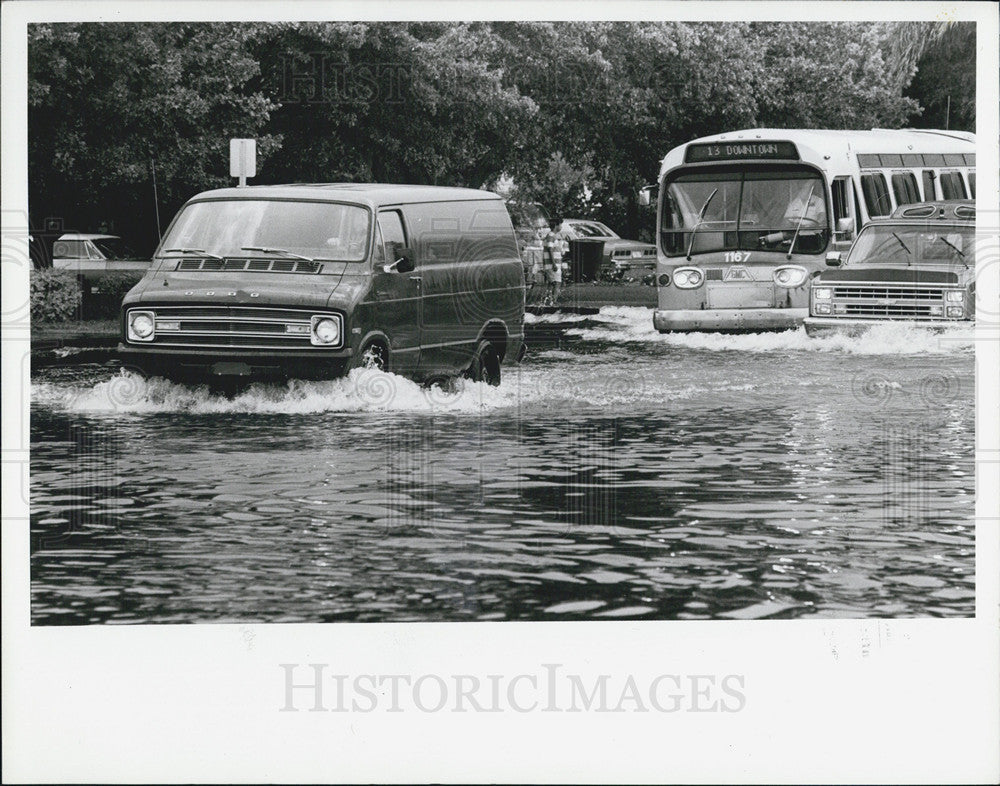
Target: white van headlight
[[688, 277], [955, 295], [141, 325], [822, 293], [790, 276], [325, 330]]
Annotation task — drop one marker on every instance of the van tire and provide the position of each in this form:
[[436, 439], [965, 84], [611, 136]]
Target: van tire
[[485, 365]]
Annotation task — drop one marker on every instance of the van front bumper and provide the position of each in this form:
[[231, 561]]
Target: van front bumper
[[828, 326], [204, 365], [736, 320]]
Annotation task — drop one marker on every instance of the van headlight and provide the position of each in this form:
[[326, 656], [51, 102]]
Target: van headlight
[[141, 325], [822, 293], [790, 276], [324, 330], [955, 296], [688, 277]]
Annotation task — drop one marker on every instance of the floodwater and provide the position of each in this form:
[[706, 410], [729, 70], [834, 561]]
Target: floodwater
[[616, 473]]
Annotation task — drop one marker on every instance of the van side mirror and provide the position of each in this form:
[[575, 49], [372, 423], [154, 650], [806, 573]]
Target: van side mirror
[[404, 260], [647, 194], [845, 226], [834, 259]]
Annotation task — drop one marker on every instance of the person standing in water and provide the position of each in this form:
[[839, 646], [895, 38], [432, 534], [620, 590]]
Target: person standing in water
[[552, 256]]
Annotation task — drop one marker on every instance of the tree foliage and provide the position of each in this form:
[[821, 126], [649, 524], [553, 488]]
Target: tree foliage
[[579, 114], [944, 84]]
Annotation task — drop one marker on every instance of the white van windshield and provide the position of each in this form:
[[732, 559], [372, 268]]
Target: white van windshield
[[319, 231]]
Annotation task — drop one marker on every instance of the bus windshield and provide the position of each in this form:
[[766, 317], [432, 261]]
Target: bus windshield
[[895, 244], [750, 209], [318, 231]]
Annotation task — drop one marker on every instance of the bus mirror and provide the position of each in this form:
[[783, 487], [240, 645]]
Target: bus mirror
[[834, 258], [646, 195], [845, 226]]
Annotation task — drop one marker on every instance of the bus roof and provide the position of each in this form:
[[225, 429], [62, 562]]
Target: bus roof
[[839, 144], [371, 194]]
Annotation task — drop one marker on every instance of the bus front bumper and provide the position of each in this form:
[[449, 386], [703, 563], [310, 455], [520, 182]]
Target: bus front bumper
[[736, 320], [829, 326]]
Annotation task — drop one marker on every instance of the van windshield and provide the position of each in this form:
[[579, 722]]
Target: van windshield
[[905, 245], [322, 231]]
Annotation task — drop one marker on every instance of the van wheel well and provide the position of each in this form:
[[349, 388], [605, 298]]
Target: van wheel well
[[374, 354], [496, 334]]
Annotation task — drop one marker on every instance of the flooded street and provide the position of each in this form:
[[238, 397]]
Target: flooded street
[[616, 473]]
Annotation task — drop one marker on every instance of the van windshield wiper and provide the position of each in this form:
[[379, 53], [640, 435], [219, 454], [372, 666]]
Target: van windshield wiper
[[954, 248], [701, 220], [266, 250], [200, 251], [907, 250]]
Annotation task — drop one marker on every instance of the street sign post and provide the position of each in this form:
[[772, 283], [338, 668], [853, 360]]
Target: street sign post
[[243, 159]]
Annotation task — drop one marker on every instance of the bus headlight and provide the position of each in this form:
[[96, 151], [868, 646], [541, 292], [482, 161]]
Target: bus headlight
[[956, 311], [688, 277], [822, 293], [955, 296], [790, 276], [324, 331], [822, 308], [141, 325]]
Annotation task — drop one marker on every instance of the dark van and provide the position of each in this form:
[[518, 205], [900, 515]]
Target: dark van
[[309, 281]]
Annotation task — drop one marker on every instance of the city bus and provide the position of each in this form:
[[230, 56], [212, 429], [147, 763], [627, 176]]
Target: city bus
[[746, 219]]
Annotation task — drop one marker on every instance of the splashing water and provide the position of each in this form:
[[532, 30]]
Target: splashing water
[[629, 323], [363, 390]]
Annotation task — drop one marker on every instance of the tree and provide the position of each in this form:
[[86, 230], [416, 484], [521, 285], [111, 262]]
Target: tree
[[399, 102], [106, 101], [831, 75], [945, 84]]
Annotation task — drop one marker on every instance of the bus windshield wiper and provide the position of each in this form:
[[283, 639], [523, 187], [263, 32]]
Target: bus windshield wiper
[[805, 208], [954, 248], [266, 250], [907, 250], [199, 251], [701, 220]]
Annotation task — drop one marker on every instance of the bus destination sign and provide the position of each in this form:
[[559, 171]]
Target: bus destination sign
[[732, 151]]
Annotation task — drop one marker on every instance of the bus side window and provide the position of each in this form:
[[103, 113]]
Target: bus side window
[[928, 178], [904, 185], [876, 194], [972, 184], [952, 186]]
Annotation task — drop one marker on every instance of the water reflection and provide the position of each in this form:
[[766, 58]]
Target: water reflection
[[631, 479]]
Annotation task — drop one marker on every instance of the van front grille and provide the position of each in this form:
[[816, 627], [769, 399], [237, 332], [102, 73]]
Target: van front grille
[[888, 302], [234, 326]]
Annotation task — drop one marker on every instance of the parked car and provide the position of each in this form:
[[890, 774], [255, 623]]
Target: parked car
[[917, 266], [312, 281], [92, 257], [619, 254]]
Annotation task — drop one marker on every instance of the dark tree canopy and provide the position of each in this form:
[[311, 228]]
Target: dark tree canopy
[[578, 114]]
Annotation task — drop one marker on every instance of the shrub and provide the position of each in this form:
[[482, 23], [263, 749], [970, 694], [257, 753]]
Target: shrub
[[55, 295], [113, 288]]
